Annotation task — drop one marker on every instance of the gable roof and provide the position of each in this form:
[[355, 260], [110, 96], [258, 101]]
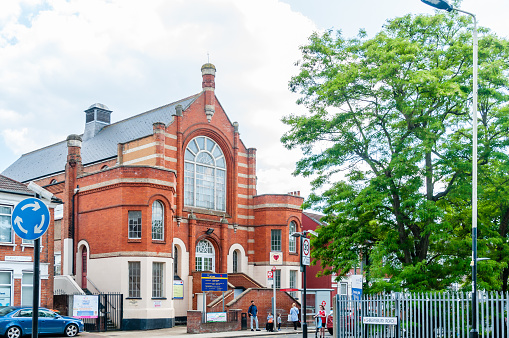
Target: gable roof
[[11, 186], [51, 159]]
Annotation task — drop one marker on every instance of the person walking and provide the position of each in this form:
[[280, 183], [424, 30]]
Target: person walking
[[294, 315], [253, 313], [279, 321], [321, 321]]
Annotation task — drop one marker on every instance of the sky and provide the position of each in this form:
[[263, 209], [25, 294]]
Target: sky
[[58, 57]]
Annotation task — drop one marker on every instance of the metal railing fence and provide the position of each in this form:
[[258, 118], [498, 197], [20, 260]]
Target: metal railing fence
[[420, 315]]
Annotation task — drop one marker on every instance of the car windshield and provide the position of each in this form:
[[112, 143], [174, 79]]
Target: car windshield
[[5, 310]]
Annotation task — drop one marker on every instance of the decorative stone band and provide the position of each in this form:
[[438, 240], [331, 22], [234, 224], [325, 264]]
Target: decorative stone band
[[131, 254], [277, 205], [247, 176], [208, 71], [127, 180]]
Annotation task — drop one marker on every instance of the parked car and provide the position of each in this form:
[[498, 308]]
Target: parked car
[[17, 321], [330, 323]]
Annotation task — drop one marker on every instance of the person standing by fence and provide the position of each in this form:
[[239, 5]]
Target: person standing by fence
[[279, 321], [253, 313], [294, 316]]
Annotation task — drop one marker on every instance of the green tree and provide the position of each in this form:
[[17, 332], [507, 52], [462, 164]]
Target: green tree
[[388, 137]]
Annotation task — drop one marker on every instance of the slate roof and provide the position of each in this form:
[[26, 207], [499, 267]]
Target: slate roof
[[12, 186], [51, 159]]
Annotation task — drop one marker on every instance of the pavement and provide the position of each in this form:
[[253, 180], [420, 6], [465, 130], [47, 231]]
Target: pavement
[[178, 331]]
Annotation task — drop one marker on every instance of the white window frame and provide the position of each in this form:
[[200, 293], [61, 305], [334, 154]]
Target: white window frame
[[157, 280], [132, 293], [292, 242], [275, 241], [10, 286], [211, 194], [131, 232], [25, 286], [202, 257], [157, 216], [9, 216]]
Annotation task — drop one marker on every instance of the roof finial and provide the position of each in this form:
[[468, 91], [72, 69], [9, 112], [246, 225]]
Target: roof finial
[[208, 57]]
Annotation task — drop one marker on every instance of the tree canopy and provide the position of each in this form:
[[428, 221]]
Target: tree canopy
[[387, 138]]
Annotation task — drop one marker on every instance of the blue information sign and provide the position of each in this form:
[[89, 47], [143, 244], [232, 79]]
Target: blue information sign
[[214, 282], [30, 218]]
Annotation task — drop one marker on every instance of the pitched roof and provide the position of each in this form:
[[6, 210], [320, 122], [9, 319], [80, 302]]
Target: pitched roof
[[51, 159], [12, 186], [315, 217]]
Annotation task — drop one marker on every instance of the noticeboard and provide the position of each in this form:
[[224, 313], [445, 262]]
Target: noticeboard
[[85, 306], [178, 289], [214, 282]]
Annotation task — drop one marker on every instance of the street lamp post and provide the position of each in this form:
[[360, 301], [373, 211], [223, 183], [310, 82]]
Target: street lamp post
[[443, 4], [302, 235]]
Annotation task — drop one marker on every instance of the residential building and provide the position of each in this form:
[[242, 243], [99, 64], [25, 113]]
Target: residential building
[[17, 255]]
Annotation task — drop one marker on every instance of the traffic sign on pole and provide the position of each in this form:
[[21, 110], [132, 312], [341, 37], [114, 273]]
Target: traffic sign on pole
[[306, 250], [30, 218]]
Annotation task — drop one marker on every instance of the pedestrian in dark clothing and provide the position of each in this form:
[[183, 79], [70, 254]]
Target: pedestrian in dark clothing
[[253, 313]]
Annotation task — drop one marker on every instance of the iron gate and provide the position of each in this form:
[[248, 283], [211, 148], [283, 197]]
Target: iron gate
[[420, 315], [111, 310], [111, 313]]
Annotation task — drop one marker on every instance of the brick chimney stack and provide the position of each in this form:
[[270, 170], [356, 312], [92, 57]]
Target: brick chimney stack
[[73, 169], [208, 72]]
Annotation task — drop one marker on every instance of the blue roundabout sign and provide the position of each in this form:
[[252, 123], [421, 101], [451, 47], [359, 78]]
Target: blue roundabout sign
[[30, 218]]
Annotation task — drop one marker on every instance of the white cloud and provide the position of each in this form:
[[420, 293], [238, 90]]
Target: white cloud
[[58, 57]]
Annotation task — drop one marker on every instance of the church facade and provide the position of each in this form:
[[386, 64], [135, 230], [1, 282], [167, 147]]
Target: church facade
[[153, 200]]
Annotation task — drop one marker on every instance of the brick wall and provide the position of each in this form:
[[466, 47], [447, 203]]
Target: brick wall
[[263, 301], [195, 325]]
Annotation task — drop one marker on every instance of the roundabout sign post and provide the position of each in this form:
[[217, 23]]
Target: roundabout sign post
[[30, 221]]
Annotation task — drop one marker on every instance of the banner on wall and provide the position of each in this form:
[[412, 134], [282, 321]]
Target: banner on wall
[[178, 289]]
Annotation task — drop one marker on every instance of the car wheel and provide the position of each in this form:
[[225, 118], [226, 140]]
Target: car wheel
[[330, 330], [71, 330], [13, 332]]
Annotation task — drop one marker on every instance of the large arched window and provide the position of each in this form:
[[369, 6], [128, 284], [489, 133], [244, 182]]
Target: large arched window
[[205, 175], [157, 221], [292, 244], [205, 257]]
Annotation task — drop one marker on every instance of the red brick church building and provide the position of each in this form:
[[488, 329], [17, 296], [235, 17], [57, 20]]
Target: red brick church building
[[153, 200]]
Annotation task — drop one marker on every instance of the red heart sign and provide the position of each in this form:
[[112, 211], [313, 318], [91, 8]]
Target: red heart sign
[[276, 257]]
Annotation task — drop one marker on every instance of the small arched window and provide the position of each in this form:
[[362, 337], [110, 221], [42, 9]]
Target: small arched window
[[205, 256], [53, 181], [235, 261], [292, 244], [104, 167], [157, 221], [175, 261], [204, 175]]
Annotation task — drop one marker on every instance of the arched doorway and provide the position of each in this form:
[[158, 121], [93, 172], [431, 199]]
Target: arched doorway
[[205, 256]]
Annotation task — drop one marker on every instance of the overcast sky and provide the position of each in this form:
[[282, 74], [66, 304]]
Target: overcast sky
[[58, 57]]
